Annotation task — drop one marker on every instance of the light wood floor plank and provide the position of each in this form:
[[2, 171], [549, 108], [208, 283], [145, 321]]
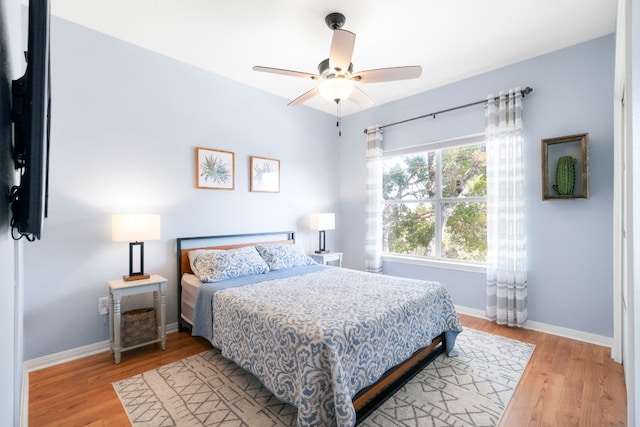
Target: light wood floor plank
[[567, 383]]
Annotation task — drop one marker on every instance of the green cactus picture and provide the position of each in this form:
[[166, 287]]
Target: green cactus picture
[[565, 167], [565, 176]]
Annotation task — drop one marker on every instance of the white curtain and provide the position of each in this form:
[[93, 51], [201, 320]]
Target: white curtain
[[506, 243], [373, 238]]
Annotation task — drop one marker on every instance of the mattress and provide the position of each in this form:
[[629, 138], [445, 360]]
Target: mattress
[[190, 286]]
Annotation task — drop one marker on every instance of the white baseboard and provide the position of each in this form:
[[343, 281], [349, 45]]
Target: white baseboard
[[91, 349], [56, 359], [548, 329], [24, 403], [75, 353]]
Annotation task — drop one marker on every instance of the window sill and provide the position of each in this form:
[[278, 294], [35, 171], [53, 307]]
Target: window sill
[[450, 265]]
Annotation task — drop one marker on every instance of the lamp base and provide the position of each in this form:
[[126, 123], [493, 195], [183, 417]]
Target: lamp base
[[135, 277], [322, 252]]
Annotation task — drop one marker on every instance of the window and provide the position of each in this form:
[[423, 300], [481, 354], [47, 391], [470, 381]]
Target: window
[[435, 203]]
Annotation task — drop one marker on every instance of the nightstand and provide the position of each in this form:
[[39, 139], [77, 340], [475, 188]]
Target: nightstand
[[119, 288], [328, 258]]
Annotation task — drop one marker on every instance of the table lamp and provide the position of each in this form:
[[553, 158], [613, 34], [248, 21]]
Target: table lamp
[[135, 229], [322, 222]]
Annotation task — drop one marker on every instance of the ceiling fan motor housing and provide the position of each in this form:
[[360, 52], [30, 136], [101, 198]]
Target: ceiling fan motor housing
[[325, 71], [335, 20]]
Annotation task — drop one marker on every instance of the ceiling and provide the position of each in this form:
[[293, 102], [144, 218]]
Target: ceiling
[[451, 39]]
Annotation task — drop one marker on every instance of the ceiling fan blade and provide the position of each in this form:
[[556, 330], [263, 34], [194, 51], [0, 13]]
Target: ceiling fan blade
[[304, 97], [359, 97], [286, 72], [379, 75], [341, 50]]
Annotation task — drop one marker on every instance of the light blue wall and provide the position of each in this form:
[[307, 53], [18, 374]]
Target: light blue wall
[[569, 242], [124, 130], [125, 124]]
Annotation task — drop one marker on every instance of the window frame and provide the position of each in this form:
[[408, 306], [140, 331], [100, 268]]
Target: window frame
[[437, 146]]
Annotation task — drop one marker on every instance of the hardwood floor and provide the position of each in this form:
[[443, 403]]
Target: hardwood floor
[[567, 383], [79, 393]]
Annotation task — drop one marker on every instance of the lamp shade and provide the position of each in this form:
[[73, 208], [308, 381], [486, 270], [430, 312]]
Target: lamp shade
[[322, 221], [135, 227], [336, 89]]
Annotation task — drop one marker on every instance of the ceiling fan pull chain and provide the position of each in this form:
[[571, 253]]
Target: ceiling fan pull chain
[[338, 118]]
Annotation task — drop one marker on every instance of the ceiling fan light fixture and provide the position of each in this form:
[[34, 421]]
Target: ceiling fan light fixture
[[336, 89], [335, 74]]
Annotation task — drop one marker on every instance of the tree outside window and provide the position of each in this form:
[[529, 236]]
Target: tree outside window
[[435, 203]]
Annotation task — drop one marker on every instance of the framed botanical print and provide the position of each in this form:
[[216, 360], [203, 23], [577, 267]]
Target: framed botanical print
[[265, 174], [215, 169]]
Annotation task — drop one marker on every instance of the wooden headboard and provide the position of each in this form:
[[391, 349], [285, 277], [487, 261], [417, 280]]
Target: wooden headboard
[[188, 244]]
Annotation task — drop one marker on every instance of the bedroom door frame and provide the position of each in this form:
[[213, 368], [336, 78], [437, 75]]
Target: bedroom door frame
[[626, 184]]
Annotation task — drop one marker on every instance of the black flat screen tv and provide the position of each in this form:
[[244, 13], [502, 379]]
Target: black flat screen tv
[[31, 117]]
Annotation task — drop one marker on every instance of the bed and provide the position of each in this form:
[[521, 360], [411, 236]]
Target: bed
[[333, 342]]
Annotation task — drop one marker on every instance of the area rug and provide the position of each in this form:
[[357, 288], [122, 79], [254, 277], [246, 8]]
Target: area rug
[[471, 389]]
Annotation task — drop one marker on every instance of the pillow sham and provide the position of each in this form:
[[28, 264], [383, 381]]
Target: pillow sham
[[214, 266], [192, 255], [279, 256]]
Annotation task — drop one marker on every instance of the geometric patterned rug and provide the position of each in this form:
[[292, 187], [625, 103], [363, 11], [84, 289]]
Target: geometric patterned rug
[[471, 389]]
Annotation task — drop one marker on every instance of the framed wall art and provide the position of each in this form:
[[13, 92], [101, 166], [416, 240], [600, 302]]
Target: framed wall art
[[215, 169], [264, 174], [565, 167]]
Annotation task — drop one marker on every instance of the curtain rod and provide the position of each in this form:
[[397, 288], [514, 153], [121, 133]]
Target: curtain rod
[[526, 91]]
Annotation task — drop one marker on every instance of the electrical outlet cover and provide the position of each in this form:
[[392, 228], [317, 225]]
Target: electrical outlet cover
[[103, 305]]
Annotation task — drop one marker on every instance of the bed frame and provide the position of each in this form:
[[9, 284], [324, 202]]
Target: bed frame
[[368, 399]]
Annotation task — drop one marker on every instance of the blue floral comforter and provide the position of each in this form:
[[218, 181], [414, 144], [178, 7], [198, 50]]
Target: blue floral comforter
[[317, 338]]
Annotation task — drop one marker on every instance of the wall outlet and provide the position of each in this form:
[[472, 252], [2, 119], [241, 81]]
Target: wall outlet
[[103, 305]]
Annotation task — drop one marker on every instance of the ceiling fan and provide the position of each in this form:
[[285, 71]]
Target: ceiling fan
[[335, 73]]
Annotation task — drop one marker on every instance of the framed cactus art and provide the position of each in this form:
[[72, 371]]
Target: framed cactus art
[[565, 167]]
